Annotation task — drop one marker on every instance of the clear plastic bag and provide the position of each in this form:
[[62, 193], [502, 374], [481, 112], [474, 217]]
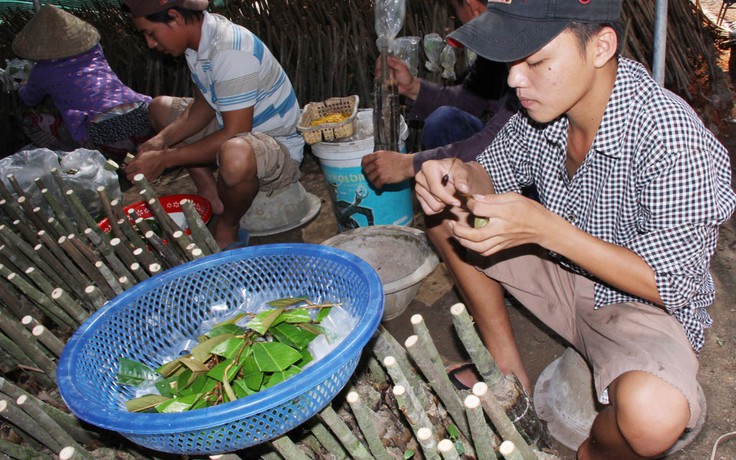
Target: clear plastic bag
[[433, 45], [15, 73], [389, 17], [82, 171], [447, 60], [407, 48]]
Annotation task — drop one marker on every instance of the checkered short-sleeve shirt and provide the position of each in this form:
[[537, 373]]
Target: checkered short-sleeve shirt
[[656, 181]]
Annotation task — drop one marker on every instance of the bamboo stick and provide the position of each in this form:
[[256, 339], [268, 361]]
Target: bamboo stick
[[23, 421], [59, 212], [200, 233], [481, 434], [17, 451], [351, 443], [17, 216], [447, 450], [85, 265], [70, 423], [69, 305], [505, 428], [33, 409], [286, 447], [385, 345], [66, 280], [104, 247], [422, 349], [29, 345], [366, 420], [509, 451], [95, 296], [411, 408], [49, 340], [32, 217], [14, 351], [49, 308], [507, 389], [29, 253], [328, 440], [70, 273], [71, 452], [11, 301], [425, 437], [85, 219], [110, 278]]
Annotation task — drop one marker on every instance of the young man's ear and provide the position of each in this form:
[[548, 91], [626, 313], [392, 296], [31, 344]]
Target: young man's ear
[[606, 46]]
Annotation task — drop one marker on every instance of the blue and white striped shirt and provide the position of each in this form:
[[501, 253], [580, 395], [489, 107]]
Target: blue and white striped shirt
[[655, 181], [234, 70]]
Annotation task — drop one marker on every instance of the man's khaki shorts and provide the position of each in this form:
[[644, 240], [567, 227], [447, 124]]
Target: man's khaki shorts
[[276, 168], [613, 339]]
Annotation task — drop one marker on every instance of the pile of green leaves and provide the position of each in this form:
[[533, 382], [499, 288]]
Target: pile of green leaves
[[231, 361]]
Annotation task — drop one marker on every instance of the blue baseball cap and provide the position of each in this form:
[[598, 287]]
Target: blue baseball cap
[[510, 30]]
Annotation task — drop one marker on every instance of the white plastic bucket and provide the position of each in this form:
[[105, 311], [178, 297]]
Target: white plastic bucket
[[355, 201]]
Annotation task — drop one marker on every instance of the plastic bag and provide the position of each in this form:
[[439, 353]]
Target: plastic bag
[[433, 45], [389, 17], [407, 48], [16, 72], [447, 59], [82, 171]]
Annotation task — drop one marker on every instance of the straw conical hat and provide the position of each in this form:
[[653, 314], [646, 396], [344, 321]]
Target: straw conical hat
[[53, 34]]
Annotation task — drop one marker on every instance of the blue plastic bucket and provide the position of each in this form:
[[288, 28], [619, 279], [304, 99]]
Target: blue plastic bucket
[[355, 201]]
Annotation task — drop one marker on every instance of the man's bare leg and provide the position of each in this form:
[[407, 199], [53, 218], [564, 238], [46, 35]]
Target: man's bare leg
[[204, 180], [645, 418], [237, 186], [484, 298]]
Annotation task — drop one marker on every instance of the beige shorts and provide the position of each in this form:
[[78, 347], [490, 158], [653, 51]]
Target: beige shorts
[[613, 339], [276, 167]]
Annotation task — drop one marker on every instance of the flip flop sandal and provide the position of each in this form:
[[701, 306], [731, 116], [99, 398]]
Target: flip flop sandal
[[463, 375]]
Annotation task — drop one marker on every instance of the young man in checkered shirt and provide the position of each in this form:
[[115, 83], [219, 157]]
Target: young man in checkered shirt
[[615, 256]]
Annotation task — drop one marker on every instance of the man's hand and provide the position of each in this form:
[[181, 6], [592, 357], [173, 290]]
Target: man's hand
[[512, 220], [385, 167], [150, 163], [434, 193], [407, 84]]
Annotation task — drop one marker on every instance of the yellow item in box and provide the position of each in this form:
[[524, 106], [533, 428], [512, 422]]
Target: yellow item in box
[[328, 120]]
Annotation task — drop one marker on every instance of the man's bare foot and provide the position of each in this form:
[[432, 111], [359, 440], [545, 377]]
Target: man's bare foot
[[214, 199], [225, 235]]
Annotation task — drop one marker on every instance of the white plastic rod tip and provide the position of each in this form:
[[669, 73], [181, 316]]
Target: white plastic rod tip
[[353, 397], [411, 341], [507, 448], [399, 390], [416, 319], [66, 453], [472, 401], [389, 361], [424, 433], [480, 388], [457, 309], [445, 445]]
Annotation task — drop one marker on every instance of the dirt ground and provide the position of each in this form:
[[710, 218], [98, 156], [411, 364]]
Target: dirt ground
[[539, 346]]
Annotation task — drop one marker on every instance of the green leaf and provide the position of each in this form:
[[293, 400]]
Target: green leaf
[[177, 405], [231, 320], [306, 359], [278, 377], [274, 356], [170, 368], [202, 351], [264, 320], [193, 364], [229, 348], [408, 453], [252, 375], [286, 301], [167, 387], [297, 315], [144, 403], [232, 329], [241, 388], [459, 448], [132, 372], [322, 314], [313, 328], [293, 336], [201, 384], [453, 432], [218, 372]]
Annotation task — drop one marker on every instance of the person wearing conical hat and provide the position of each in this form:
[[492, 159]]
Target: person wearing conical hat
[[98, 110]]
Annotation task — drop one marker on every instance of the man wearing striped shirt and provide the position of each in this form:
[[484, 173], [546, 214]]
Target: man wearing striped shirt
[[615, 256], [242, 117]]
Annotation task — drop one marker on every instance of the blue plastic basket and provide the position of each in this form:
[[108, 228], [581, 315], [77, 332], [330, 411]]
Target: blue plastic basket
[[156, 314]]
